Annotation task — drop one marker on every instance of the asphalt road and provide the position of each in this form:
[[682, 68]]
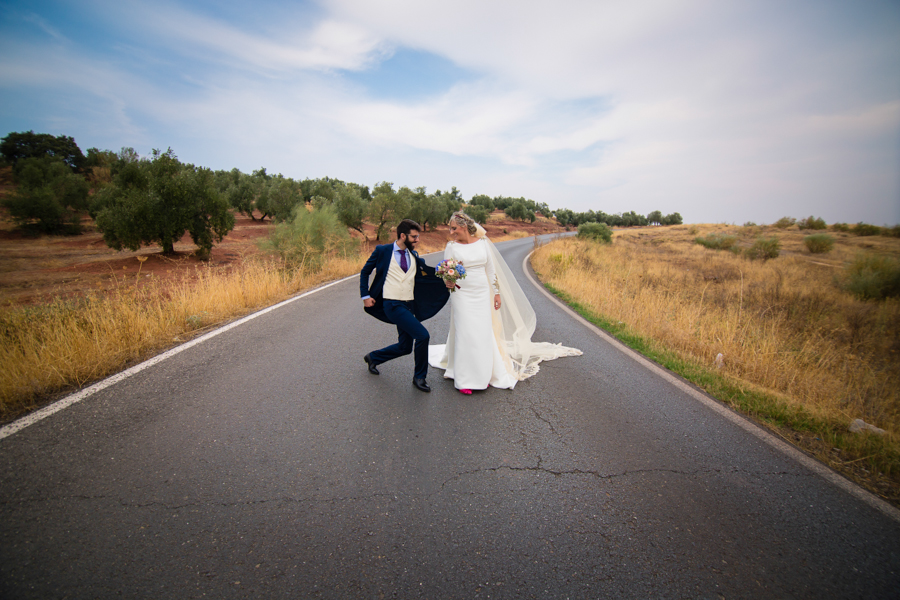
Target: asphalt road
[[266, 462]]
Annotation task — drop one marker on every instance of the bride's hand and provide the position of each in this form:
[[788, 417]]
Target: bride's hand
[[496, 301], [449, 284]]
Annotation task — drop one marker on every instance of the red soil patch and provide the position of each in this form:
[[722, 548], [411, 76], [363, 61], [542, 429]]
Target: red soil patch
[[38, 269]]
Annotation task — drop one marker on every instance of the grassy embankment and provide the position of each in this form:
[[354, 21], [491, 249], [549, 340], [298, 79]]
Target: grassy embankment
[[799, 353], [53, 347]]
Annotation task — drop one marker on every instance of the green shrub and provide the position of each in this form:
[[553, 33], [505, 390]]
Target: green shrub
[[841, 227], [784, 222], [819, 243], [812, 223], [872, 277], [304, 240], [891, 231], [764, 249], [865, 229], [717, 241], [598, 232], [750, 230]]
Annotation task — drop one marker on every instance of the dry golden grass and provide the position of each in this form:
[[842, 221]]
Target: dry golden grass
[[86, 331], [68, 343], [784, 327]]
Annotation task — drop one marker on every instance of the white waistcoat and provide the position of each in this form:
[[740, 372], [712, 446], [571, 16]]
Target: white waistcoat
[[399, 285]]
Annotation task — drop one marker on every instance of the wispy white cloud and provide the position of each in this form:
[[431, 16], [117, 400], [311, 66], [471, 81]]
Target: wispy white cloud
[[324, 45], [43, 25], [465, 120]]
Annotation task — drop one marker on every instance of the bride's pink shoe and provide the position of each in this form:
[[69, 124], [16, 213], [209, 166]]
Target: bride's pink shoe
[[466, 392]]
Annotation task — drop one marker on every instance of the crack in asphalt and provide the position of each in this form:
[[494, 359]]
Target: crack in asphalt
[[539, 468], [539, 415], [542, 418]]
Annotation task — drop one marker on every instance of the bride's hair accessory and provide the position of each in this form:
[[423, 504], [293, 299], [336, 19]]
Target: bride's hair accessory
[[464, 220]]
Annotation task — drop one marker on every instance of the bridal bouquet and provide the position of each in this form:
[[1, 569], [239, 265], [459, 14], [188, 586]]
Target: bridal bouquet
[[451, 270]]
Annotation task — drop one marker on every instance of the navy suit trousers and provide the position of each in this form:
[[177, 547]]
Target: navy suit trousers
[[409, 330]]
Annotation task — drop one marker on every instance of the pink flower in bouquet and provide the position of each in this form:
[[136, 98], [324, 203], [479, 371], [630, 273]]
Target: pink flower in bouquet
[[451, 270]]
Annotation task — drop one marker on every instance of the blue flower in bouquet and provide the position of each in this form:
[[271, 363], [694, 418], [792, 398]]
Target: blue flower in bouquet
[[451, 270]]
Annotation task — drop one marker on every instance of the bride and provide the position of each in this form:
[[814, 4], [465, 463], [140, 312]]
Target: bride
[[491, 320]]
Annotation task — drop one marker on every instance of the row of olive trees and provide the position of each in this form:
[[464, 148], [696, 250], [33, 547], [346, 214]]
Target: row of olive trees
[[520, 209], [141, 200], [157, 199], [277, 197], [568, 218], [136, 200]]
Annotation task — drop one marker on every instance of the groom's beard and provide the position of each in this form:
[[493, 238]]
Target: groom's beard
[[410, 245]]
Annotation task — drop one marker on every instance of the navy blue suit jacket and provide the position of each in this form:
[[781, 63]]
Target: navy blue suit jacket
[[430, 292]]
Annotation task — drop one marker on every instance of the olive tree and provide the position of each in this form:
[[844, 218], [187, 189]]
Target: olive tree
[[672, 219], [350, 206], [158, 201], [477, 212], [519, 211], [48, 196], [28, 144], [242, 194], [482, 200], [388, 207], [431, 210], [283, 194]]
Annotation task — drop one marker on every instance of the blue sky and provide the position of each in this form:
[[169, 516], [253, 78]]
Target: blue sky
[[722, 111]]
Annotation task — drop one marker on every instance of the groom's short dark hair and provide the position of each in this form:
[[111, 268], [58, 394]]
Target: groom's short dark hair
[[407, 225]]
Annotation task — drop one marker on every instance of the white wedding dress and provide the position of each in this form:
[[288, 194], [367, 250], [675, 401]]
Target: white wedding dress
[[488, 347]]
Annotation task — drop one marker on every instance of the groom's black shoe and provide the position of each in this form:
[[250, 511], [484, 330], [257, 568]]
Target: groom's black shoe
[[372, 369], [422, 385]]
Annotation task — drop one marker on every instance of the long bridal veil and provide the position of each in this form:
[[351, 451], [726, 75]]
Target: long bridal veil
[[515, 322]]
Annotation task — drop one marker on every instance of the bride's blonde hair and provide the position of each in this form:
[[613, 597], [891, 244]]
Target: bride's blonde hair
[[464, 220]]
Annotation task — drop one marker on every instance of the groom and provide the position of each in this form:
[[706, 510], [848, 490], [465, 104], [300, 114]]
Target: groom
[[404, 292]]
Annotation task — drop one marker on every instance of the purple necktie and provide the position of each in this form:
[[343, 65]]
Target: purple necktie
[[403, 264]]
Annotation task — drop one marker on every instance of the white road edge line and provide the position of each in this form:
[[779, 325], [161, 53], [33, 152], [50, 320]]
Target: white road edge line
[[739, 420], [68, 401]]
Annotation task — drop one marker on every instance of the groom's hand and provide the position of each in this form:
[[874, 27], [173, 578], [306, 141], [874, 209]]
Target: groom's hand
[[369, 302]]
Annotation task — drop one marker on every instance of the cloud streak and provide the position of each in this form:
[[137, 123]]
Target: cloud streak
[[326, 45]]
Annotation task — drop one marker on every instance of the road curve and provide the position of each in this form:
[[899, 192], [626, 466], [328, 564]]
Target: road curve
[[266, 462]]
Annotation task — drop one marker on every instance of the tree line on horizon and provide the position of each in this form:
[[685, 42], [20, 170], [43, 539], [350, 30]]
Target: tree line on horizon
[[157, 199]]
